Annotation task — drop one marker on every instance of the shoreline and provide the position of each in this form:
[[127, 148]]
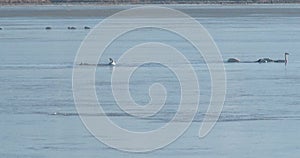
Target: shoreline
[[150, 3], [100, 5], [195, 10], [147, 4]]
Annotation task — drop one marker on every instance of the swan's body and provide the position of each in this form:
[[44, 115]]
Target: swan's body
[[279, 61], [264, 60]]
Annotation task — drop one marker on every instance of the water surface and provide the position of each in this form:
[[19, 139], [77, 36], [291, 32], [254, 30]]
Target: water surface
[[261, 112]]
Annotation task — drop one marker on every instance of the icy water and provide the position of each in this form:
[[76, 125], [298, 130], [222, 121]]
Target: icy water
[[261, 114]]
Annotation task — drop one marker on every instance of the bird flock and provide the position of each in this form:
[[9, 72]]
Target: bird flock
[[69, 28]]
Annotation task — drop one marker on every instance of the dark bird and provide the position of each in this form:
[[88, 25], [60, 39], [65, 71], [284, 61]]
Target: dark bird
[[71, 28], [285, 61]]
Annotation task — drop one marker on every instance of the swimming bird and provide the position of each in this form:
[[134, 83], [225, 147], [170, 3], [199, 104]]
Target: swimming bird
[[285, 61], [71, 28], [83, 63], [111, 62], [48, 28], [86, 27], [0, 28]]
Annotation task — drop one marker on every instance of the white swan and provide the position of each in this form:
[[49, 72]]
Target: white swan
[[111, 62]]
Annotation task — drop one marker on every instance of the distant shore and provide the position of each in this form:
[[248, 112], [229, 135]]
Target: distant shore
[[140, 2], [98, 11]]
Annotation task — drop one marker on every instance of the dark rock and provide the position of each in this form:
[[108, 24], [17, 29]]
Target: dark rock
[[233, 60]]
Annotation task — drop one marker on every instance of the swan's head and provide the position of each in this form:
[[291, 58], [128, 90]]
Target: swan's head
[[111, 60], [286, 54]]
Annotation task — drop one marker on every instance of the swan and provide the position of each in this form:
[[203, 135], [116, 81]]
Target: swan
[[267, 60], [111, 62], [285, 61]]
